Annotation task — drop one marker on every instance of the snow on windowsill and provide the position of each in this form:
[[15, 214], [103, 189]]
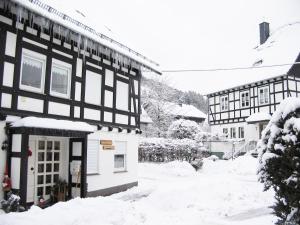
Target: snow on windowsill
[[53, 124]]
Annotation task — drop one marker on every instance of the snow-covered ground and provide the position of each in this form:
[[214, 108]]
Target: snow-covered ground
[[223, 192]]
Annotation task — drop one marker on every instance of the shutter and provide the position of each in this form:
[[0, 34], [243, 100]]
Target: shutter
[[93, 156]]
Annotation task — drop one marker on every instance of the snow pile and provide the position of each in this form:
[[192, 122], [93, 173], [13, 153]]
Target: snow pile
[[53, 124], [178, 168], [223, 193]]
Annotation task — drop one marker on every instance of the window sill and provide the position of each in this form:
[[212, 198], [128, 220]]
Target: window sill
[[93, 174], [121, 171]]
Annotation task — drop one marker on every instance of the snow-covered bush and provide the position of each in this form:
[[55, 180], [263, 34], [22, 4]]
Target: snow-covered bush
[[279, 157], [165, 150], [181, 129], [207, 136]]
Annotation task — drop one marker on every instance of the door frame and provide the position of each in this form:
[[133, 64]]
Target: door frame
[[83, 159]]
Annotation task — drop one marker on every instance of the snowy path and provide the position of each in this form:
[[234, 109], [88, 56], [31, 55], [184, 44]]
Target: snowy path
[[223, 193]]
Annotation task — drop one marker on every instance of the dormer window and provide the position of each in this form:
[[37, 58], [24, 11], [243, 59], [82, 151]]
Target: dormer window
[[32, 71], [263, 95], [224, 103]]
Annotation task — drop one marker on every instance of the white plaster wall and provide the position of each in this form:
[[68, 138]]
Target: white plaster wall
[[2, 155], [91, 114], [251, 131], [59, 109], [107, 176], [8, 74], [10, 48], [30, 104]]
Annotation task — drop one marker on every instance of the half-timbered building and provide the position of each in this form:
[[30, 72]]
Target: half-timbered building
[[242, 112], [69, 105]]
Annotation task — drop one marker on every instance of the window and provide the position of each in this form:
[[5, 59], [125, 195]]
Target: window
[[232, 132], [225, 132], [32, 71], [245, 99], [120, 156], [241, 132], [224, 103], [60, 79], [263, 95]]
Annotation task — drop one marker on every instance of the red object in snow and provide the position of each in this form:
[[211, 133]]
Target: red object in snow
[[6, 183]]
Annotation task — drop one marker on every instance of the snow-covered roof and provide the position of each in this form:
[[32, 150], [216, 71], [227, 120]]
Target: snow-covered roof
[[63, 13], [282, 47], [52, 124], [258, 117], [145, 118], [183, 110]]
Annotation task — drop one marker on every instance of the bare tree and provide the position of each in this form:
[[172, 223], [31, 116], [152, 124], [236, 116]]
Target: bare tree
[[156, 94]]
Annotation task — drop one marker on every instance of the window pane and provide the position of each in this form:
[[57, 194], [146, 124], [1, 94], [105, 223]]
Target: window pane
[[59, 80], [41, 156], [56, 145], [40, 179], [49, 145], [40, 168], [31, 72], [41, 145], [40, 191], [49, 156], [56, 156], [48, 167], [119, 161]]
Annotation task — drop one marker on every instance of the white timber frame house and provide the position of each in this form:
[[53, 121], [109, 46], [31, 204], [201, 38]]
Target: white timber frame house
[[71, 97], [242, 112]]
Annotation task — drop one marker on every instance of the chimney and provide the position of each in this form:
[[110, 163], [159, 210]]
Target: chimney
[[264, 32]]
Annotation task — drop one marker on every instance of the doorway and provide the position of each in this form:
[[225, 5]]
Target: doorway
[[44, 166]]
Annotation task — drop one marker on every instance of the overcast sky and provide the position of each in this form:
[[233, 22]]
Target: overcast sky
[[192, 34]]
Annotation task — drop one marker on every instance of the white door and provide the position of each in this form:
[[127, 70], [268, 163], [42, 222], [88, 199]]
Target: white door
[[31, 173], [48, 164]]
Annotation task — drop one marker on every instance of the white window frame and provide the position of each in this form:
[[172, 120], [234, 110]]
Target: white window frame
[[225, 129], [240, 129], [221, 101], [119, 151], [37, 57], [61, 65], [231, 132], [258, 95], [245, 100]]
